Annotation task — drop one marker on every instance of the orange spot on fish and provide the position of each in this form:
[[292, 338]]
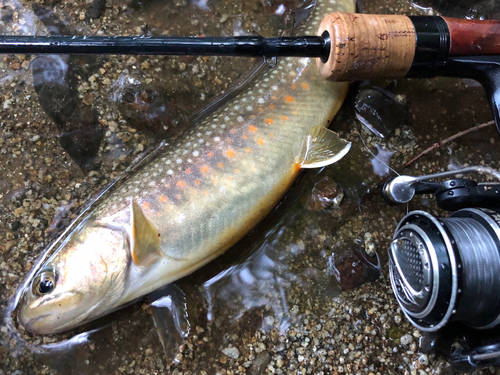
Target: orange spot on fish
[[180, 183], [252, 117], [284, 118], [196, 182], [188, 171], [305, 86], [294, 86], [252, 128], [260, 109], [145, 204], [260, 141], [253, 169], [271, 134], [289, 99], [214, 180], [296, 167], [229, 140], [167, 186], [205, 192], [163, 198], [272, 106], [178, 196], [295, 113], [230, 153], [233, 131], [210, 154], [236, 170], [248, 149], [274, 97], [229, 178], [268, 120], [244, 136], [220, 165], [204, 168]]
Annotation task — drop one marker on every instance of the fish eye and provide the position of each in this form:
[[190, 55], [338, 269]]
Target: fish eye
[[44, 283]]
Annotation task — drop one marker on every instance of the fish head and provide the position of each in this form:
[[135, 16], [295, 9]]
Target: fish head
[[83, 279]]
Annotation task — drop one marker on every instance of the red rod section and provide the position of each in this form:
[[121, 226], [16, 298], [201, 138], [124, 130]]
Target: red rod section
[[470, 37]]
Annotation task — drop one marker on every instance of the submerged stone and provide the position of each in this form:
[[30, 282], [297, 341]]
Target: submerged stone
[[379, 111]]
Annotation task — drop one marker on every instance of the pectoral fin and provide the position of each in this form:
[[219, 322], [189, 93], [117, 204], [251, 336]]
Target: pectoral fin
[[144, 238], [322, 147]]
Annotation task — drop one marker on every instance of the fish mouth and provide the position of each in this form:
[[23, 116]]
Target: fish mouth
[[29, 325], [47, 316]]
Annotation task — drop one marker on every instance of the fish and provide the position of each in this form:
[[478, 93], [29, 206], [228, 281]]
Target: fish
[[191, 200]]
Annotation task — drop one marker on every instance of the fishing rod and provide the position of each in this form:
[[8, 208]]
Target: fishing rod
[[348, 47]]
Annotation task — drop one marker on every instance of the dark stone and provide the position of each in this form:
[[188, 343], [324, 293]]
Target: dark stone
[[96, 8], [326, 192], [146, 108], [6, 14], [50, 20], [352, 268], [81, 138], [54, 83], [15, 225], [379, 111], [259, 364]]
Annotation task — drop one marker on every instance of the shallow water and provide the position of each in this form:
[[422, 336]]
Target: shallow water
[[296, 295]]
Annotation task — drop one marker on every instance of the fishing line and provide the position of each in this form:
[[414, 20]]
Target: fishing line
[[384, 163], [375, 156]]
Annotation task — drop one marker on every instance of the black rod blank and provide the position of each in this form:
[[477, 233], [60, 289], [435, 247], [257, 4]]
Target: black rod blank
[[256, 46]]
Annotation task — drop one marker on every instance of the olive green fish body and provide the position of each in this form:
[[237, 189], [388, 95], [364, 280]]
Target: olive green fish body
[[195, 198]]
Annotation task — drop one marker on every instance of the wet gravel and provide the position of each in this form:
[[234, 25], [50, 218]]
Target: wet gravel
[[317, 303]]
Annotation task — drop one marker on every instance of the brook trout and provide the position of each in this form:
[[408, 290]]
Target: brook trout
[[192, 200]]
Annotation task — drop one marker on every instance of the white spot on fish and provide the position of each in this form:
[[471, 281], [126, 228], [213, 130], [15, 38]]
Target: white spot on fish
[[152, 183], [170, 172], [217, 139], [261, 101], [178, 161], [249, 108], [200, 141], [226, 118], [196, 153], [240, 119]]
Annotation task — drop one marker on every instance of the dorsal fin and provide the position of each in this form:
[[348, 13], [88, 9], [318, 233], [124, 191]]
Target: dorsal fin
[[322, 147], [144, 237]]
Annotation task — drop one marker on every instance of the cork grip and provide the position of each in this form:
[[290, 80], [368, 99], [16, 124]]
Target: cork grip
[[367, 46]]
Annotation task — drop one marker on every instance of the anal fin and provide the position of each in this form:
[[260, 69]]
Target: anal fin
[[322, 147]]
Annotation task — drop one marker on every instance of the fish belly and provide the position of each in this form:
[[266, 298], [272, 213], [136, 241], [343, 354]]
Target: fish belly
[[207, 190]]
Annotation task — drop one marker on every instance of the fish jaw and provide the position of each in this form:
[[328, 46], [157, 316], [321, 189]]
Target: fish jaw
[[39, 316]]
